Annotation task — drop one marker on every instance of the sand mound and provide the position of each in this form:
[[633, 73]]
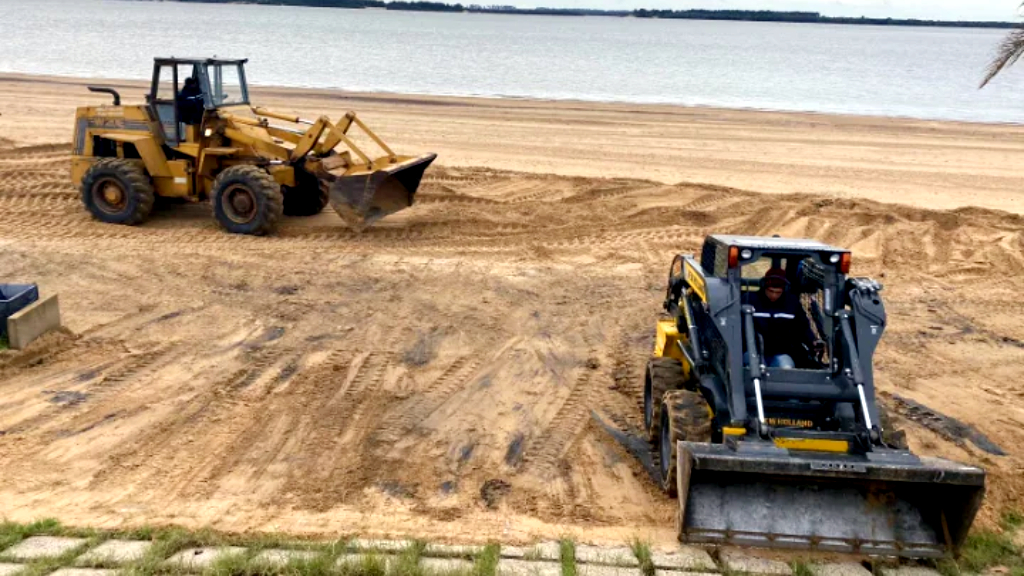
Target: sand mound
[[439, 374]]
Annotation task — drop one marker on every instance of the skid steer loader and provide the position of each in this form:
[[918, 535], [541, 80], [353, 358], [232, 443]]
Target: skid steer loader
[[198, 137], [792, 453]]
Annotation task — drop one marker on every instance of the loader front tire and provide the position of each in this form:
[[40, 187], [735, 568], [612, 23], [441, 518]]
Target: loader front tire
[[662, 375], [306, 198], [685, 416], [118, 191], [247, 200]]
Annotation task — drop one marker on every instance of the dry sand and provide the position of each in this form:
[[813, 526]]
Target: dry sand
[[443, 374]]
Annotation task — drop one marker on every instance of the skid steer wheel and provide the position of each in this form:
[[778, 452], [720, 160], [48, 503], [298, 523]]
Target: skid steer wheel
[[662, 374], [306, 198], [117, 191], [247, 200], [685, 416], [890, 435]]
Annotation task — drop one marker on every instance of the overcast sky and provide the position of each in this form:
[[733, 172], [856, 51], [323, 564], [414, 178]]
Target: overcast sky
[[927, 9]]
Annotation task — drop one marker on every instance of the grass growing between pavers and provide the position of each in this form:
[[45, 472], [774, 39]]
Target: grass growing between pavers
[[166, 542], [800, 568], [11, 532], [486, 563], [986, 549], [567, 556], [642, 551]]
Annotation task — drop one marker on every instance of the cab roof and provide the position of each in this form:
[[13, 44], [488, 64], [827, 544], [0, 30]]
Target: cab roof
[[774, 243], [175, 60]]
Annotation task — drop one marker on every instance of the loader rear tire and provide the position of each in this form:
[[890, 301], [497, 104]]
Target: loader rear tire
[[247, 200], [118, 191], [306, 198], [685, 416], [662, 375]]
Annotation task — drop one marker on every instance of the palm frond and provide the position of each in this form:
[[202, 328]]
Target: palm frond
[[1010, 50]]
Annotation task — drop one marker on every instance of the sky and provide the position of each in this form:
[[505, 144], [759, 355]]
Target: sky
[[1006, 10]]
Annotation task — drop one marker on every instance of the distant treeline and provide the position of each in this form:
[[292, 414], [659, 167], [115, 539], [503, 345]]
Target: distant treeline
[[736, 15], [806, 17]]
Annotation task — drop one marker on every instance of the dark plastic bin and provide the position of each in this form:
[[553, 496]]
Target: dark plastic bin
[[14, 297]]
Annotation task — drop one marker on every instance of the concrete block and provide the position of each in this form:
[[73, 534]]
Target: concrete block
[[528, 568], [601, 570], [542, 551], [10, 569], [199, 558], [685, 558], [452, 551], [348, 559], [735, 561], [38, 547], [909, 571], [445, 565], [842, 569], [616, 556], [280, 557], [382, 545], [32, 322], [115, 552], [83, 572]]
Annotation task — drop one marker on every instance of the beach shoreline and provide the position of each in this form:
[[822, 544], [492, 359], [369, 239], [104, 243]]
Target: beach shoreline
[[935, 164]]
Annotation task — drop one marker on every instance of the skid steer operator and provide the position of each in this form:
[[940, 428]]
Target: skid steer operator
[[782, 323]]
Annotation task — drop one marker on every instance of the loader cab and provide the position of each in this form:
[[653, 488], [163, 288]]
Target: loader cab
[[184, 90]]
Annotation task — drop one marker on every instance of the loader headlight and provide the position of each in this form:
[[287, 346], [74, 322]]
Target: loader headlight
[[834, 258], [745, 254], [208, 132]]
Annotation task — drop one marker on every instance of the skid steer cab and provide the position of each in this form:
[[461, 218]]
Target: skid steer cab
[[199, 137], [759, 401]]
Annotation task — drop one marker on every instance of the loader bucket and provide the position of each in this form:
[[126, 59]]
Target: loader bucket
[[886, 503], [361, 199]]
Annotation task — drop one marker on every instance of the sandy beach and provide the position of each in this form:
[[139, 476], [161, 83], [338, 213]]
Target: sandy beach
[[462, 370]]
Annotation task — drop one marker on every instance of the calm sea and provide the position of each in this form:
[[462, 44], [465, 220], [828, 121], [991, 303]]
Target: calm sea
[[895, 71]]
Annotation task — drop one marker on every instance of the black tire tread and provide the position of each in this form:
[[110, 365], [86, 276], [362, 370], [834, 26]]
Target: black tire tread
[[137, 184], [263, 184], [689, 420], [306, 198], [891, 436], [666, 374]]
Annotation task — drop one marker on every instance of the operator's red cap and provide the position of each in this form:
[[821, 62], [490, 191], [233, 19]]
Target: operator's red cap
[[776, 277]]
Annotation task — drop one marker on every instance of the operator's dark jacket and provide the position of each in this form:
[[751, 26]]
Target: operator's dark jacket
[[782, 324]]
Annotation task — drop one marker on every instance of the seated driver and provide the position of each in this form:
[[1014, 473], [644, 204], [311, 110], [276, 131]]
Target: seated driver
[[781, 321], [190, 102]]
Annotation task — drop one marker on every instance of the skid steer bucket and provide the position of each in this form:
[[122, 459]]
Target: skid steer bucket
[[888, 503], [363, 198]]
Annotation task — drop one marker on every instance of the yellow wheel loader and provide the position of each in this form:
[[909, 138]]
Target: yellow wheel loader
[[198, 137], [759, 402]]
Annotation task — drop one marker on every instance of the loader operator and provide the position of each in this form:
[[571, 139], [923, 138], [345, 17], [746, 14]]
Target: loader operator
[[190, 102], [782, 323]]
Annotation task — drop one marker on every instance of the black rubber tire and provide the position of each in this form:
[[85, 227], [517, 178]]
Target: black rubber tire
[[891, 436], [135, 186], [685, 415], [306, 198], [662, 375], [263, 216]]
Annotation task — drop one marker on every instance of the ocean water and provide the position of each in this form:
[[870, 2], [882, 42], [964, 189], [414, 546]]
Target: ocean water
[[892, 71]]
